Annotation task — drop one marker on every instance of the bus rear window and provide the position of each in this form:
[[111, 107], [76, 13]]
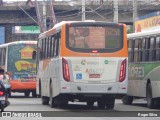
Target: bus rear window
[[88, 38]]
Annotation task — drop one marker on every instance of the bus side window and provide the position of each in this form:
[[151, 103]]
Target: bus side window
[[50, 44], [143, 48], [132, 50], [136, 51], [152, 49], [147, 47], [40, 49], [140, 50], [53, 45], [46, 47], [129, 50], [43, 48], [56, 45], [157, 48], [2, 56]]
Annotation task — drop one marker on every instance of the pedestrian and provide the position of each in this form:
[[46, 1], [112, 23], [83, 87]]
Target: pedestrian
[[4, 81]]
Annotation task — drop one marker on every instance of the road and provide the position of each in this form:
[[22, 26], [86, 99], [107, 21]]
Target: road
[[21, 104]]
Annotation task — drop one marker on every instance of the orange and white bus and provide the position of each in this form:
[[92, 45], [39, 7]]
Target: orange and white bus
[[16, 59], [84, 61]]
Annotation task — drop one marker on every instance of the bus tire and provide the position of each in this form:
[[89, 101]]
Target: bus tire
[[34, 94], [110, 104], [63, 104], [40, 88], [45, 100], [52, 100], [90, 103], [101, 104], [26, 94], [52, 103], [127, 100], [2, 109], [150, 100]]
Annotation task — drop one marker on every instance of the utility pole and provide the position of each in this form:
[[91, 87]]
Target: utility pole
[[134, 13], [83, 9], [40, 22], [44, 14], [115, 2]]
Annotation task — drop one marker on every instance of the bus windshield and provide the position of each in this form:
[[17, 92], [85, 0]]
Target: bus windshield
[[101, 38], [20, 62]]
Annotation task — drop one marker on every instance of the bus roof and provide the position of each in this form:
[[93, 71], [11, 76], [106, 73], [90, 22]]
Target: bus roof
[[58, 26], [144, 34], [17, 42]]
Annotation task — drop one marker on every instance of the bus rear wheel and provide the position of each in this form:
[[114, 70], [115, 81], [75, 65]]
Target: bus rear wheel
[[45, 100], [34, 94], [90, 103], [150, 100], [110, 104], [2, 109], [26, 94], [52, 99], [101, 104], [127, 100]]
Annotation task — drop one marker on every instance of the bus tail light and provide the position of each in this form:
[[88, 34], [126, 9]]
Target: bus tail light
[[122, 74], [65, 68], [1, 93]]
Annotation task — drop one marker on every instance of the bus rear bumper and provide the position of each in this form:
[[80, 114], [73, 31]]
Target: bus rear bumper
[[22, 86], [108, 88]]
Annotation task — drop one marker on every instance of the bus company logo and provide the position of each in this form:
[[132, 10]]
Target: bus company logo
[[83, 62], [26, 52], [106, 62], [77, 68]]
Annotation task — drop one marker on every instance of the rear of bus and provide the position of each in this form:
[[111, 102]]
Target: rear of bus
[[97, 67], [22, 67]]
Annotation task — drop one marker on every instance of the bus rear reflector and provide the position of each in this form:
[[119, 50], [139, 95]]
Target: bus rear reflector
[[122, 74], [65, 68], [94, 51]]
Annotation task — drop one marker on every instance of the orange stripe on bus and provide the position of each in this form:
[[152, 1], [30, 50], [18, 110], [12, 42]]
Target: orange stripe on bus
[[17, 85]]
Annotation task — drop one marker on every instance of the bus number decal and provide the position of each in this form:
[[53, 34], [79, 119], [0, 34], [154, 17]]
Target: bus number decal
[[136, 72], [94, 73], [77, 68]]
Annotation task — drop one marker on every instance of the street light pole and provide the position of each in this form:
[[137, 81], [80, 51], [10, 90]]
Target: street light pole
[[115, 11], [134, 13], [83, 9]]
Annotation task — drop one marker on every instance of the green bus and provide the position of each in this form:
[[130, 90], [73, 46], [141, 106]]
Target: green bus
[[144, 67]]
